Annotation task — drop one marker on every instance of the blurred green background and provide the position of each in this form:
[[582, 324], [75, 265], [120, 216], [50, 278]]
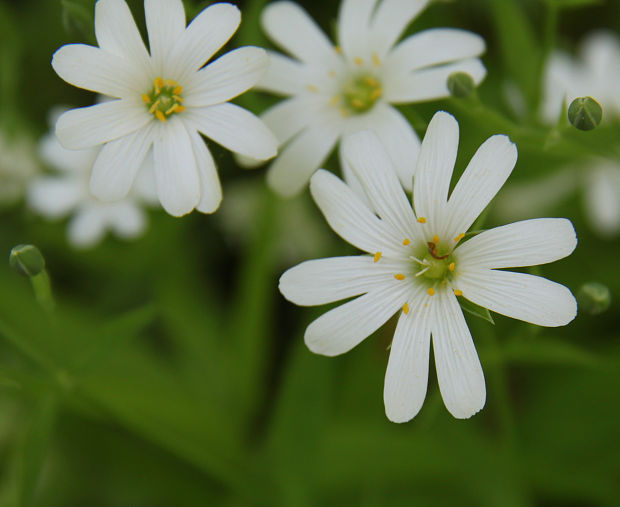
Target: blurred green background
[[172, 373]]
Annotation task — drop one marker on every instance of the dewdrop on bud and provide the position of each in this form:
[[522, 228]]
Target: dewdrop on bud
[[594, 298], [585, 113], [27, 260], [460, 84]]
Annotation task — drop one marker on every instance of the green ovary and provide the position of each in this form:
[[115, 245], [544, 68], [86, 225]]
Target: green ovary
[[361, 94]]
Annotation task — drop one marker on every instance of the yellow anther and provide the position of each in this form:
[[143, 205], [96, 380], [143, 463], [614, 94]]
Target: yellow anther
[[344, 112], [312, 88], [178, 90], [357, 103], [435, 239], [376, 94], [407, 241], [154, 107], [176, 108], [338, 49], [458, 292], [422, 220], [160, 116], [171, 83], [358, 61], [459, 237], [451, 266], [376, 60], [159, 84], [145, 98], [331, 73], [431, 291], [399, 276], [406, 308], [370, 81], [334, 100], [377, 256], [177, 98]]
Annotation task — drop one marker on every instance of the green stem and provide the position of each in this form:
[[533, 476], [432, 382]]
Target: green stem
[[43, 290]]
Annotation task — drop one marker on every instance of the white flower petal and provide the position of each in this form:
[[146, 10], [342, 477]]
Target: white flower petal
[[460, 376], [205, 35], [525, 243], [86, 228], [54, 155], [126, 219], [406, 377], [349, 217], [289, 117], [525, 297], [91, 68], [390, 20], [234, 128], [399, 140], [322, 281], [284, 76], [430, 83], [434, 170], [342, 328], [85, 127], [289, 173], [485, 174], [118, 163], [54, 197], [289, 26], [227, 77], [178, 183], [118, 34], [165, 23], [211, 189], [434, 47], [353, 26], [371, 164], [602, 199]]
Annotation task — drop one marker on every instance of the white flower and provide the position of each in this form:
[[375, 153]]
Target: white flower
[[165, 100], [418, 265], [596, 74], [17, 166], [351, 87], [67, 194]]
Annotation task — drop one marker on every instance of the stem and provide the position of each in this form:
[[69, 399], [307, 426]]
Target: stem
[[43, 290]]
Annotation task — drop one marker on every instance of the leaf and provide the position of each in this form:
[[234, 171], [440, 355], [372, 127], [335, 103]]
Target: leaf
[[78, 18], [570, 4], [475, 310]]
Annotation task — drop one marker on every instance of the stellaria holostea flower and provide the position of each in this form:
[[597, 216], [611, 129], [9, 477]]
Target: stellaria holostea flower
[[418, 263], [164, 101], [66, 193], [334, 90]]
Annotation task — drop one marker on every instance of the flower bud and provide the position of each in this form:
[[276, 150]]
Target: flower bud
[[460, 84], [585, 113], [594, 298], [27, 260]]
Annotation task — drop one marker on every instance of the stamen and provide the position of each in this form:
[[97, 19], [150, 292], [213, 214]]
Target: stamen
[[407, 241], [458, 292], [358, 61], [176, 108], [154, 107], [146, 99], [451, 266], [312, 88], [406, 308], [422, 271], [371, 81], [331, 73], [376, 60], [399, 276], [164, 99], [177, 98], [160, 116], [159, 84], [345, 112], [357, 103], [178, 90], [377, 257], [459, 237], [171, 83], [435, 239], [422, 220], [334, 100], [376, 94], [431, 291], [338, 49]]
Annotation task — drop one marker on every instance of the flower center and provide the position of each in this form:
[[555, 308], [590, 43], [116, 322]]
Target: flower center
[[360, 94], [164, 99], [435, 262]]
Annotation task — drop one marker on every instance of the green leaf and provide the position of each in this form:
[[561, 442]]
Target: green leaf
[[475, 310], [569, 4], [78, 18]]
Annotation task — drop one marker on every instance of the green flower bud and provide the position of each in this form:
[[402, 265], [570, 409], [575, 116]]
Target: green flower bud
[[594, 298], [27, 260], [460, 84], [585, 113]]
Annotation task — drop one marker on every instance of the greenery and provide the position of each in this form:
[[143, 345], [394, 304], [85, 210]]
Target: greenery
[[169, 371]]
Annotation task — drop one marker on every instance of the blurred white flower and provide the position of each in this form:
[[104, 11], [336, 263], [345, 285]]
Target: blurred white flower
[[18, 165], [351, 87], [418, 265], [164, 101], [596, 73], [67, 193]]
